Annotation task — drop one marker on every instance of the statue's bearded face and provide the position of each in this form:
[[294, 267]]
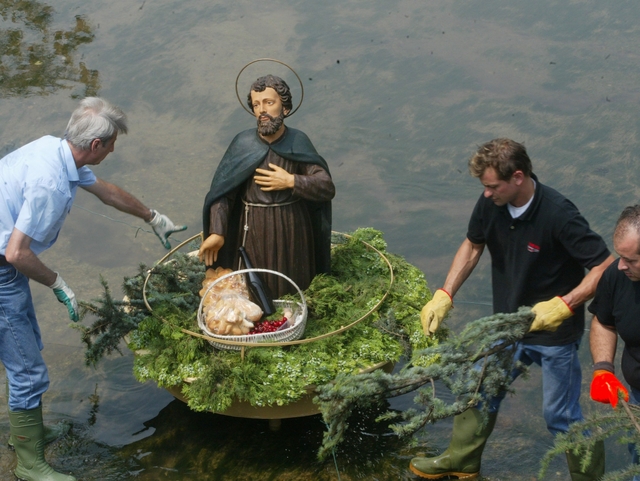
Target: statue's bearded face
[[268, 125], [267, 107]]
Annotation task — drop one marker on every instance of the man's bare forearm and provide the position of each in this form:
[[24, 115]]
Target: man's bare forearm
[[602, 341], [114, 196], [464, 262], [587, 288], [20, 255]]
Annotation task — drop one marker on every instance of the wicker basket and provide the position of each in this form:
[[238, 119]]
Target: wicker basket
[[289, 334]]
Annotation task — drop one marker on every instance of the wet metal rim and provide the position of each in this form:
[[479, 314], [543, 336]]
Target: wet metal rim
[[276, 61]]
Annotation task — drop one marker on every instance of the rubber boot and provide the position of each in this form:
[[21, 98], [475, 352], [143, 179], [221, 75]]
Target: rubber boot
[[27, 432], [51, 433], [462, 457], [595, 469]]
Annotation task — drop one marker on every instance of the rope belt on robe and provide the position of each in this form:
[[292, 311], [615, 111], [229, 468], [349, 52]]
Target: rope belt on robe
[[247, 205]]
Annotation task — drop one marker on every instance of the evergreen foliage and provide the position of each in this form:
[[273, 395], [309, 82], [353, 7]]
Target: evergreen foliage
[[621, 423], [473, 364], [266, 375], [114, 319], [104, 335]]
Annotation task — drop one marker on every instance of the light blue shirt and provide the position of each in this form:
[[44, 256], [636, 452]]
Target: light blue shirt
[[38, 183]]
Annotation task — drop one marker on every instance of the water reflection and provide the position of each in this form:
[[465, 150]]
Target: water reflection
[[189, 445], [39, 60], [94, 400]]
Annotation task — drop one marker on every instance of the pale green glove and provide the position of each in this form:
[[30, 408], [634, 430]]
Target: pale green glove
[[65, 295], [434, 311], [163, 227], [550, 314]]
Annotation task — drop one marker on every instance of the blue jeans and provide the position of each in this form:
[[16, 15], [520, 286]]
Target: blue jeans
[[561, 381], [20, 342]]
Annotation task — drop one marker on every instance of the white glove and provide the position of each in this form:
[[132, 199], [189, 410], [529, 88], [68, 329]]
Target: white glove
[[163, 227], [65, 295]]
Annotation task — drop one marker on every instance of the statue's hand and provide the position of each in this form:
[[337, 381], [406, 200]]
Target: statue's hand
[[208, 252], [275, 179]]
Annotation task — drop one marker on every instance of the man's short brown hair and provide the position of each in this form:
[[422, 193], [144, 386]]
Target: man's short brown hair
[[505, 156]]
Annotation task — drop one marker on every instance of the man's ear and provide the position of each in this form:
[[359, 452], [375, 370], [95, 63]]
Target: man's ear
[[518, 177], [95, 143], [286, 111]]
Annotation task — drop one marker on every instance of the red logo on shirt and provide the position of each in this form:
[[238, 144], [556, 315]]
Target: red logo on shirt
[[533, 248]]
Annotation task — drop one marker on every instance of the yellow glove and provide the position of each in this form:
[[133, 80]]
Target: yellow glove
[[434, 311], [550, 314]]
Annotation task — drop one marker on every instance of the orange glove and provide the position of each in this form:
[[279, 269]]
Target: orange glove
[[605, 386]]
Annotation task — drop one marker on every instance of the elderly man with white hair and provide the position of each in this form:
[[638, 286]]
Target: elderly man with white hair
[[37, 188]]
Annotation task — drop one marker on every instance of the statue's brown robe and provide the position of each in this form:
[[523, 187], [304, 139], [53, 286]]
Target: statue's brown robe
[[279, 238]]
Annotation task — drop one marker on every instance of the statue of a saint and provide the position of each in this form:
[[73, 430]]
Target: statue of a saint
[[271, 194]]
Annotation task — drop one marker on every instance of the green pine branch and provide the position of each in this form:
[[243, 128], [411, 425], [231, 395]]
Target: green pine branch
[[479, 360], [172, 285], [620, 423]]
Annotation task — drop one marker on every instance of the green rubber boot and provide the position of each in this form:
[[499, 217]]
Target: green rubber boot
[[595, 469], [462, 457], [51, 433], [27, 432]]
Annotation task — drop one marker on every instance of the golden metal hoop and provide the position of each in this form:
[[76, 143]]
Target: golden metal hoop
[[276, 61]]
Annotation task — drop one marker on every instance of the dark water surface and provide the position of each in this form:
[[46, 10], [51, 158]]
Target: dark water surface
[[398, 94]]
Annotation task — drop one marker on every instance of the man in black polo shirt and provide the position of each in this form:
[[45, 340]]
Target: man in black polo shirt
[[616, 309], [540, 246]]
